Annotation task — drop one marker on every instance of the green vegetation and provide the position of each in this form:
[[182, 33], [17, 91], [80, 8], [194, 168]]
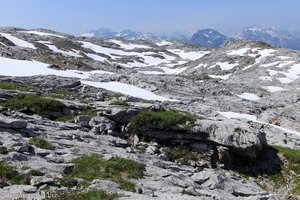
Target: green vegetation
[[59, 94], [141, 148], [16, 86], [187, 193], [65, 95], [183, 154], [80, 195], [287, 175], [41, 143], [114, 95], [34, 104], [10, 174], [116, 169], [167, 119], [119, 103], [3, 150], [88, 112], [65, 118], [68, 182]]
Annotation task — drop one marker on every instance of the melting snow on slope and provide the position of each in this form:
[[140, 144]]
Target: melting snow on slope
[[225, 77], [191, 55], [56, 50], [291, 75], [164, 43], [149, 59], [127, 89], [21, 68], [129, 46], [108, 51], [249, 96], [274, 88], [17, 41], [239, 52], [233, 115], [43, 34]]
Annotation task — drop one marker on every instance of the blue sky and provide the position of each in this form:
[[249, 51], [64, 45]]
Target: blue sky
[[77, 16]]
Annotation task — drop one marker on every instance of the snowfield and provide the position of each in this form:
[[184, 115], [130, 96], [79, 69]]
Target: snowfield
[[249, 96], [17, 41], [43, 34], [56, 50], [23, 68], [129, 46], [225, 77], [274, 88], [127, 89], [191, 55], [239, 52]]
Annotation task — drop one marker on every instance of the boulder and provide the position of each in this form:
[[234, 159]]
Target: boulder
[[41, 180], [6, 122]]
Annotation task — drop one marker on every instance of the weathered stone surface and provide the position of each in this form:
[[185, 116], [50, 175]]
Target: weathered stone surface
[[12, 123], [40, 180]]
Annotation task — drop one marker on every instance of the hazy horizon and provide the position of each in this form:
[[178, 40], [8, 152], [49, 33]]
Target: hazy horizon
[[155, 16]]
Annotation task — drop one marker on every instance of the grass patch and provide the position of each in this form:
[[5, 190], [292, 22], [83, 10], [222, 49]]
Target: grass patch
[[119, 103], [59, 94], [141, 149], [8, 173], [88, 112], [68, 182], [80, 195], [288, 174], [4, 150], [34, 104], [65, 118], [116, 169], [167, 119], [16, 86], [183, 154], [114, 95], [41, 143]]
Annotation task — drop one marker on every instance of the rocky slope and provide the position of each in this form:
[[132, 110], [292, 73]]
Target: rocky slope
[[199, 120]]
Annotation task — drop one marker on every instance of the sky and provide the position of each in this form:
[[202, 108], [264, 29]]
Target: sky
[[79, 16]]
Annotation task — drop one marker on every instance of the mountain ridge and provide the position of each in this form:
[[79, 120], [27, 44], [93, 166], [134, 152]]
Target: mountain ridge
[[272, 36]]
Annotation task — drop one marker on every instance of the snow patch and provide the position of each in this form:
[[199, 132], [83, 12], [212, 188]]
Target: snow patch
[[164, 43], [225, 77], [274, 88], [191, 55], [249, 96], [127, 89], [43, 34], [73, 53], [239, 52], [17, 41], [129, 46]]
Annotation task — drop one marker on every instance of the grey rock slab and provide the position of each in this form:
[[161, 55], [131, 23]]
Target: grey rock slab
[[6, 122], [21, 189], [41, 180]]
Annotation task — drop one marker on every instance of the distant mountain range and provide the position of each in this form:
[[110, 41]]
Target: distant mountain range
[[211, 38]]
